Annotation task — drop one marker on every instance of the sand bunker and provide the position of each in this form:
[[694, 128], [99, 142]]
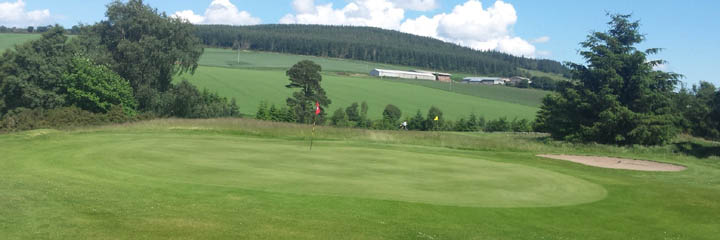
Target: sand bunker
[[619, 163]]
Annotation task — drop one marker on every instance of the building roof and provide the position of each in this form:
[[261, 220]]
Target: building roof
[[480, 79], [405, 72]]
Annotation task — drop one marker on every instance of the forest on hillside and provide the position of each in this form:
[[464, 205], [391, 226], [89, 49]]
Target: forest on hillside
[[371, 44]]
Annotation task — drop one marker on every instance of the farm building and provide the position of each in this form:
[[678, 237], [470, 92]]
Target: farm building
[[402, 74], [485, 80], [443, 77]]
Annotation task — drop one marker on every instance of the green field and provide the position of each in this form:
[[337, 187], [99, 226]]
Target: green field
[[243, 179], [251, 86], [527, 97], [266, 60], [9, 40], [259, 77]]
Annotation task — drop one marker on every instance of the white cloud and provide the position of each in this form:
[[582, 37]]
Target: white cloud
[[304, 6], [417, 5], [374, 13], [219, 12], [543, 39], [14, 14], [473, 26], [468, 24]]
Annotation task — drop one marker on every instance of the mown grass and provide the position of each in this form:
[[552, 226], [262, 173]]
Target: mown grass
[[234, 178], [250, 87], [527, 97]]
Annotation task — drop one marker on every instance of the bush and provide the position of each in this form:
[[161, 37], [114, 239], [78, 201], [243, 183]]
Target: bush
[[96, 88], [22, 119], [184, 100], [339, 118], [499, 125]]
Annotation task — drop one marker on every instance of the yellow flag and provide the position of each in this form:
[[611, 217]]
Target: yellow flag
[[437, 118]]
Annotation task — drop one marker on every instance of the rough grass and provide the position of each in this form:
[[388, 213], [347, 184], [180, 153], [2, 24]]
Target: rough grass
[[250, 87], [230, 178]]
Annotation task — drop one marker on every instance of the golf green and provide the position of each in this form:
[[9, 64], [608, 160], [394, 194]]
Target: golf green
[[404, 173]]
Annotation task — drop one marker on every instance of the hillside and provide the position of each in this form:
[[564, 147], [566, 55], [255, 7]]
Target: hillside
[[251, 86], [371, 44]]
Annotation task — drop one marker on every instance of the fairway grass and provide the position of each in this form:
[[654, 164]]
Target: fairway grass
[[246, 179], [250, 87]]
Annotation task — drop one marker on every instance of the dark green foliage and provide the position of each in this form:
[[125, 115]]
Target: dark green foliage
[[353, 113], [275, 114], [148, 48], [499, 125], [339, 118], [21, 119], [31, 75], [523, 84], [392, 114], [305, 75], [262, 112], [544, 83], [186, 101], [619, 98], [97, 88], [521, 125], [430, 123], [417, 122], [698, 110], [371, 44]]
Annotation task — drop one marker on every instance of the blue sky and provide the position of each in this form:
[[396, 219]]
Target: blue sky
[[688, 30]]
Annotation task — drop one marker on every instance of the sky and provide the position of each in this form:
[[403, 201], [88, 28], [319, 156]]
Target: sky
[[687, 30]]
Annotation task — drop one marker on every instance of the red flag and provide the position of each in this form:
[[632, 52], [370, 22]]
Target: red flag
[[317, 108]]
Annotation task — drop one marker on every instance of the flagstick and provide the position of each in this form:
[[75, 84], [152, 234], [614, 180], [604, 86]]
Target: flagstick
[[313, 132]]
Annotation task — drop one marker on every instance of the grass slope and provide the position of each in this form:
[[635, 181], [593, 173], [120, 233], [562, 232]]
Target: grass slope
[[9, 40], [527, 97], [250, 87], [210, 179], [266, 60]]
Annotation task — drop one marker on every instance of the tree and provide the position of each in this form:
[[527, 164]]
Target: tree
[[31, 76], [544, 83], [30, 29], [391, 115], [353, 113], [262, 112], [305, 75], [147, 47], [96, 88], [618, 98], [430, 123], [339, 118], [696, 108], [417, 122]]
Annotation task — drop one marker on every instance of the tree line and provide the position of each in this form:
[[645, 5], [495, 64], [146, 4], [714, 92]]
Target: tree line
[[371, 44], [122, 66]]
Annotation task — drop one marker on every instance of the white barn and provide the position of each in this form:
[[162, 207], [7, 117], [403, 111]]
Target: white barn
[[402, 74], [485, 80]]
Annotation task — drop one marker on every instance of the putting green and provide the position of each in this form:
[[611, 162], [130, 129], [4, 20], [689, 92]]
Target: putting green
[[343, 169]]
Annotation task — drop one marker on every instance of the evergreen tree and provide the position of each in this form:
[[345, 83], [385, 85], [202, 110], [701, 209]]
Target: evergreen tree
[[305, 75], [618, 98]]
